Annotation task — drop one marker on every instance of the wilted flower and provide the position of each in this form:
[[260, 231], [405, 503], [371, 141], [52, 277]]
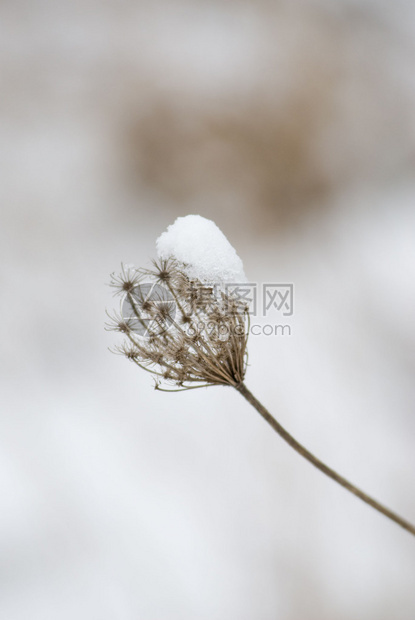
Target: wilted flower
[[188, 333], [191, 333]]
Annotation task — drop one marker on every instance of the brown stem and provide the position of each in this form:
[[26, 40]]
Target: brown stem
[[241, 387]]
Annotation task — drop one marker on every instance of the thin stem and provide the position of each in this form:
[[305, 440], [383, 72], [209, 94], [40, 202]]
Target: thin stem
[[319, 464], [193, 387]]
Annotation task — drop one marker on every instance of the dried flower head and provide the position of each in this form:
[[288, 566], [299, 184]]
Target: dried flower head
[[192, 334], [182, 330]]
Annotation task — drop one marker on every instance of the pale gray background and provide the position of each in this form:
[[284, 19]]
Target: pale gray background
[[292, 125]]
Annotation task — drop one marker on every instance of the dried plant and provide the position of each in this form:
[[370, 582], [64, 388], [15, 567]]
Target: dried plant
[[181, 330], [189, 335]]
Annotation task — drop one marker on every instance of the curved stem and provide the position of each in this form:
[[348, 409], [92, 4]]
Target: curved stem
[[319, 464]]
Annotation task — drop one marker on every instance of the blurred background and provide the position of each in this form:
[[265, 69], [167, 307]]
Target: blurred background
[[291, 124]]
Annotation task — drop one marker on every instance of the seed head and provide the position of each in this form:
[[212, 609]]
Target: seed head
[[183, 331], [126, 281]]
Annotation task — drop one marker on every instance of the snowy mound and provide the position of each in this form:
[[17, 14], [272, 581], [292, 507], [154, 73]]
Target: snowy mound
[[203, 250]]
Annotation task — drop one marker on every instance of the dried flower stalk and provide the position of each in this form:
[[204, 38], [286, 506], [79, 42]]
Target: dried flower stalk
[[193, 335]]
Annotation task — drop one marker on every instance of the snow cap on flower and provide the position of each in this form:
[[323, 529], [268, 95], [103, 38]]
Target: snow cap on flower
[[203, 250]]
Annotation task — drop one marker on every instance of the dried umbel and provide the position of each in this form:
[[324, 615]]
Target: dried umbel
[[185, 332], [192, 334]]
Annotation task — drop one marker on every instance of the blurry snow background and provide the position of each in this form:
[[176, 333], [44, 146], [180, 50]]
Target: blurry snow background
[[292, 125]]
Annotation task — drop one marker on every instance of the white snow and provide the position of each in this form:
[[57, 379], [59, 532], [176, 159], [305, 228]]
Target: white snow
[[203, 249]]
